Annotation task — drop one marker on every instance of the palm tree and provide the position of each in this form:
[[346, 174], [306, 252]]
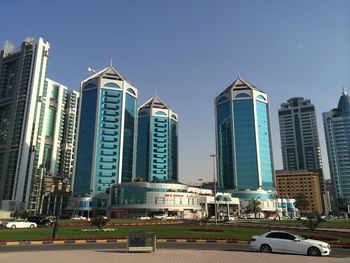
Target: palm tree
[[253, 207], [301, 202]]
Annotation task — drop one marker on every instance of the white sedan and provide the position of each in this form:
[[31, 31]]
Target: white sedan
[[285, 242], [21, 224], [143, 218]]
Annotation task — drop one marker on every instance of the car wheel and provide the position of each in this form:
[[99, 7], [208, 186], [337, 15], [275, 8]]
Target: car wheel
[[313, 251], [31, 226], [265, 249], [13, 226]]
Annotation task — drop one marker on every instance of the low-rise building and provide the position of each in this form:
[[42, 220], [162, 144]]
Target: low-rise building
[[290, 183], [133, 199]]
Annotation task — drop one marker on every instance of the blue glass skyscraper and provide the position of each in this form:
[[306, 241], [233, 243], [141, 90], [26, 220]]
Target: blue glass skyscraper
[[157, 142], [337, 130], [107, 133], [243, 138]]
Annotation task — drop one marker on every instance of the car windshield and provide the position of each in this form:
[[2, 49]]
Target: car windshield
[[299, 237]]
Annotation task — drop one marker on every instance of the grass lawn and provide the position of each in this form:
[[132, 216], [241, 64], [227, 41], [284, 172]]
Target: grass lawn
[[170, 231], [329, 223]]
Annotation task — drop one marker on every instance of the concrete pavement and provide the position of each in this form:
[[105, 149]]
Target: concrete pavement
[[161, 256]]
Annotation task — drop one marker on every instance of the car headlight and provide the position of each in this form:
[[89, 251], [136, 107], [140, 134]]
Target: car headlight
[[323, 245]]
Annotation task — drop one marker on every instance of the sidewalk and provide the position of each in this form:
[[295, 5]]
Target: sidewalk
[[161, 256]]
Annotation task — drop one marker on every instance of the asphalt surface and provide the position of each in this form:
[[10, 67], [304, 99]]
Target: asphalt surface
[[336, 252]]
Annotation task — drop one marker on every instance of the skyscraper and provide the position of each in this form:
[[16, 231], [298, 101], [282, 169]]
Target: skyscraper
[[243, 138], [157, 142], [57, 114], [107, 133], [337, 130], [22, 77], [32, 132], [299, 136]]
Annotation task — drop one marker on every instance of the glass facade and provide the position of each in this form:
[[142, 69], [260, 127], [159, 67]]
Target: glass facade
[[108, 139], [143, 144], [137, 194], [224, 140], [157, 155], [159, 148], [243, 140], [245, 144], [255, 195], [173, 152], [86, 142], [299, 136], [337, 131], [129, 133], [106, 159], [17, 70], [264, 145], [129, 195]]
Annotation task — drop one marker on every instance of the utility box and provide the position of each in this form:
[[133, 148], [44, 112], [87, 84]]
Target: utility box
[[141, 242]]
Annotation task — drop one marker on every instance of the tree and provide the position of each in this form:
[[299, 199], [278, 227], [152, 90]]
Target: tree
[[99, 221], [253, 207], [301, 202], [15, 214], [341, 203], [19, 214], [312, 222]]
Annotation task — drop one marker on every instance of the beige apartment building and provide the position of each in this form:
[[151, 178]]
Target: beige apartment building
[[291, 183]]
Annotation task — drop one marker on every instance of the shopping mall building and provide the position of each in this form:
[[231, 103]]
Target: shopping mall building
[[134, 199]]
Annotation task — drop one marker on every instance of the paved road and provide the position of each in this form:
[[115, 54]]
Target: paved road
[[161, 256], [336, 253]]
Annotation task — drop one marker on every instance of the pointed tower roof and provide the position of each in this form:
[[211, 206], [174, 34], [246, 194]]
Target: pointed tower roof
[[107, 73], [241, 84], [344, 102], [154, 102]]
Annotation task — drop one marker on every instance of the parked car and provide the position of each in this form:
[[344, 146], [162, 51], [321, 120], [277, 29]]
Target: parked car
[[40, 220], [21, 224], [78, 218], [229, 218], [143, 218], [171, 217], [163, 217], [285, 242]]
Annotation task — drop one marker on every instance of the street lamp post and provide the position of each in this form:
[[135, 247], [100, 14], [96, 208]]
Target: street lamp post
[[214, 155], [58, 194]]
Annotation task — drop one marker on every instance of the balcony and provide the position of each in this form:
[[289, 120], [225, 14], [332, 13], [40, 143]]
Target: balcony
[[160, 130]]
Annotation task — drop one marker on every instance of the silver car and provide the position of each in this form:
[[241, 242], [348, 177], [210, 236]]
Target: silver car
[[285, 242]]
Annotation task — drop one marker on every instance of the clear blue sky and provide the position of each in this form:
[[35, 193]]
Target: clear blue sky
[[189, 51]]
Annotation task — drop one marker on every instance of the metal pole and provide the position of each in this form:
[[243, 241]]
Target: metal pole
[[215, 206], [54, 232]]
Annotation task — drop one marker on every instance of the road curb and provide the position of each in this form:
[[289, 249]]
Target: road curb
[[124, 240], [101, 241]]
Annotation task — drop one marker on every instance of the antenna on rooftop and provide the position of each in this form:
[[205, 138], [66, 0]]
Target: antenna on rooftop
[[91, 70], [111, 62]]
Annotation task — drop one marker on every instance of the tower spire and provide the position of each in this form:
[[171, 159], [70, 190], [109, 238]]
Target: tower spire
[[343, 91], [111, 62]]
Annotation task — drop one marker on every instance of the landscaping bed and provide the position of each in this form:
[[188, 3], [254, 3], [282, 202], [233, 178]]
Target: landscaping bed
[[161, 231]]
